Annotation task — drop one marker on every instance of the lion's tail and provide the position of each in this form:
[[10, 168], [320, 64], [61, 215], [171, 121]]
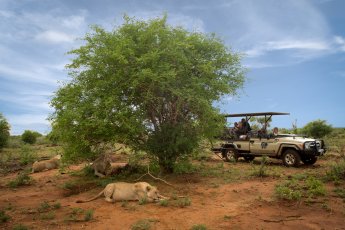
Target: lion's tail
[[91, 199]]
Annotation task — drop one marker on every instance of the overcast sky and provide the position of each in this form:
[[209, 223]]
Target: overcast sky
[[294, 51]]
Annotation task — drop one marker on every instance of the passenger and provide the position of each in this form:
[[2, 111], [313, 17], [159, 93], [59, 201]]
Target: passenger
[[245, 126], [275, 132]]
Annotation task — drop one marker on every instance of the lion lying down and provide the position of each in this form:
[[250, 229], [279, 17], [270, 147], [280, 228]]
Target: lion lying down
[[39, 166], [122, 191]]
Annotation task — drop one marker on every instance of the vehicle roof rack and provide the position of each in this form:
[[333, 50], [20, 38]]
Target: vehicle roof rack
[[255, 114]]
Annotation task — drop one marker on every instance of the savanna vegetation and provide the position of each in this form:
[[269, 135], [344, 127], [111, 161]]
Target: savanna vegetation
[[149, 88]]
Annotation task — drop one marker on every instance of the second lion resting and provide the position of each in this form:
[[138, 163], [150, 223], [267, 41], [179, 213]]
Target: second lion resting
[[122, 191]]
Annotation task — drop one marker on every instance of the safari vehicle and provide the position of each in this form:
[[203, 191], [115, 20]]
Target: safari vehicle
[[290, 148]]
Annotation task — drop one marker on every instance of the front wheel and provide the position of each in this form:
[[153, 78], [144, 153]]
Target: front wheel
[[309, 160], [230, 155], [291, 158]]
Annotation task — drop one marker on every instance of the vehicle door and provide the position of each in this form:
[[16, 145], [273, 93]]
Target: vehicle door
[[264, 146]]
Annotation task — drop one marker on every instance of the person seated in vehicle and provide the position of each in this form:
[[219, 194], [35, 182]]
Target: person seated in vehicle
[[274, 132], [234, 130], [245, 126]]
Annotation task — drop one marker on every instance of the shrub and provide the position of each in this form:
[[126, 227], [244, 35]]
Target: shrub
[[289, 190], [88, 215], [317, 129], [23, 178], [29, 136], [261, 171], [199, 227], [20, 227], [144, 224], [336, 172], [27, 155], [4, 217], [184, 166], [4, 131], [315, 187]]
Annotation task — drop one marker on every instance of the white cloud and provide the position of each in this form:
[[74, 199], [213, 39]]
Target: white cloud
[[307, 45], [340, 41], [52, 36]]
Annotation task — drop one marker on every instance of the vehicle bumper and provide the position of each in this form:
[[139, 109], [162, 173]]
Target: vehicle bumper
[[314, 152]]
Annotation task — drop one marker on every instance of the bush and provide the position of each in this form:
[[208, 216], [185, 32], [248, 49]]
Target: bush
[[289, 190], [4, 131], [4, 217], [27, 155], [23, 178], [336, 172], [30, 137], [317, 129], [199, 227]]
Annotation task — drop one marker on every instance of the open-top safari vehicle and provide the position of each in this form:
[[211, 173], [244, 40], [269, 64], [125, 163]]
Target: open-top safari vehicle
[[291, 148]]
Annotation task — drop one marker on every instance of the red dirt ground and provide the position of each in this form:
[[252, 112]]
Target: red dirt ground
[[245, 204]]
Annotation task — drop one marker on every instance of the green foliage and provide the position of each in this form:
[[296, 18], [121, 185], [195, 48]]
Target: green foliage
[[184, 166], [340, 192], [289, 190], [295, 190], [27, 155], [4, 217], [336, 172], [261, 171], [4, 131], [315, 187], [317, 129], [144, 224], [23, 178], [141, 225], [89, 215], [47, 216], [164, 203], [20, 227], [199, 227], [30, 137], [148, 85]]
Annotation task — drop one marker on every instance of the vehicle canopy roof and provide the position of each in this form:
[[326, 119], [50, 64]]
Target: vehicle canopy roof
[[267, 115]]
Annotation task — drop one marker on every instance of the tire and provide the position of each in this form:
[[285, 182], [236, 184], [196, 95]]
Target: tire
[[291, 158], [230, 155], [248, 158], [309, 160]]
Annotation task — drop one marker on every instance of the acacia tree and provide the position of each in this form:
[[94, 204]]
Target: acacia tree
[[148, 85], [4, 131]]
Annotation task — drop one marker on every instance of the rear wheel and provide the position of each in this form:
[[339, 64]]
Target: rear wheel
[[248, 158], [309, 160], [230, 155], [291, 158]]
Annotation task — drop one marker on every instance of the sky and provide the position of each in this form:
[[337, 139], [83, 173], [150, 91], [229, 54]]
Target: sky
[[294, 52]]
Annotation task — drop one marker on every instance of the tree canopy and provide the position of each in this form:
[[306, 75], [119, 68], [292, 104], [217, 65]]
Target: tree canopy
[[148, 85], [4, 131]]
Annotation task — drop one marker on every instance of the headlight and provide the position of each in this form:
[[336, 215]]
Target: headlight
[[309, 145]]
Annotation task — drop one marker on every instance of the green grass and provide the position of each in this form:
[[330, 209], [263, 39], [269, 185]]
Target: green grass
[[144, 224], [20, 227], [336, 172], [88, 215], [23, 178], [198, 227], [4, 217], [47, 216], [294, 189], [260, 171], [289, 190]]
